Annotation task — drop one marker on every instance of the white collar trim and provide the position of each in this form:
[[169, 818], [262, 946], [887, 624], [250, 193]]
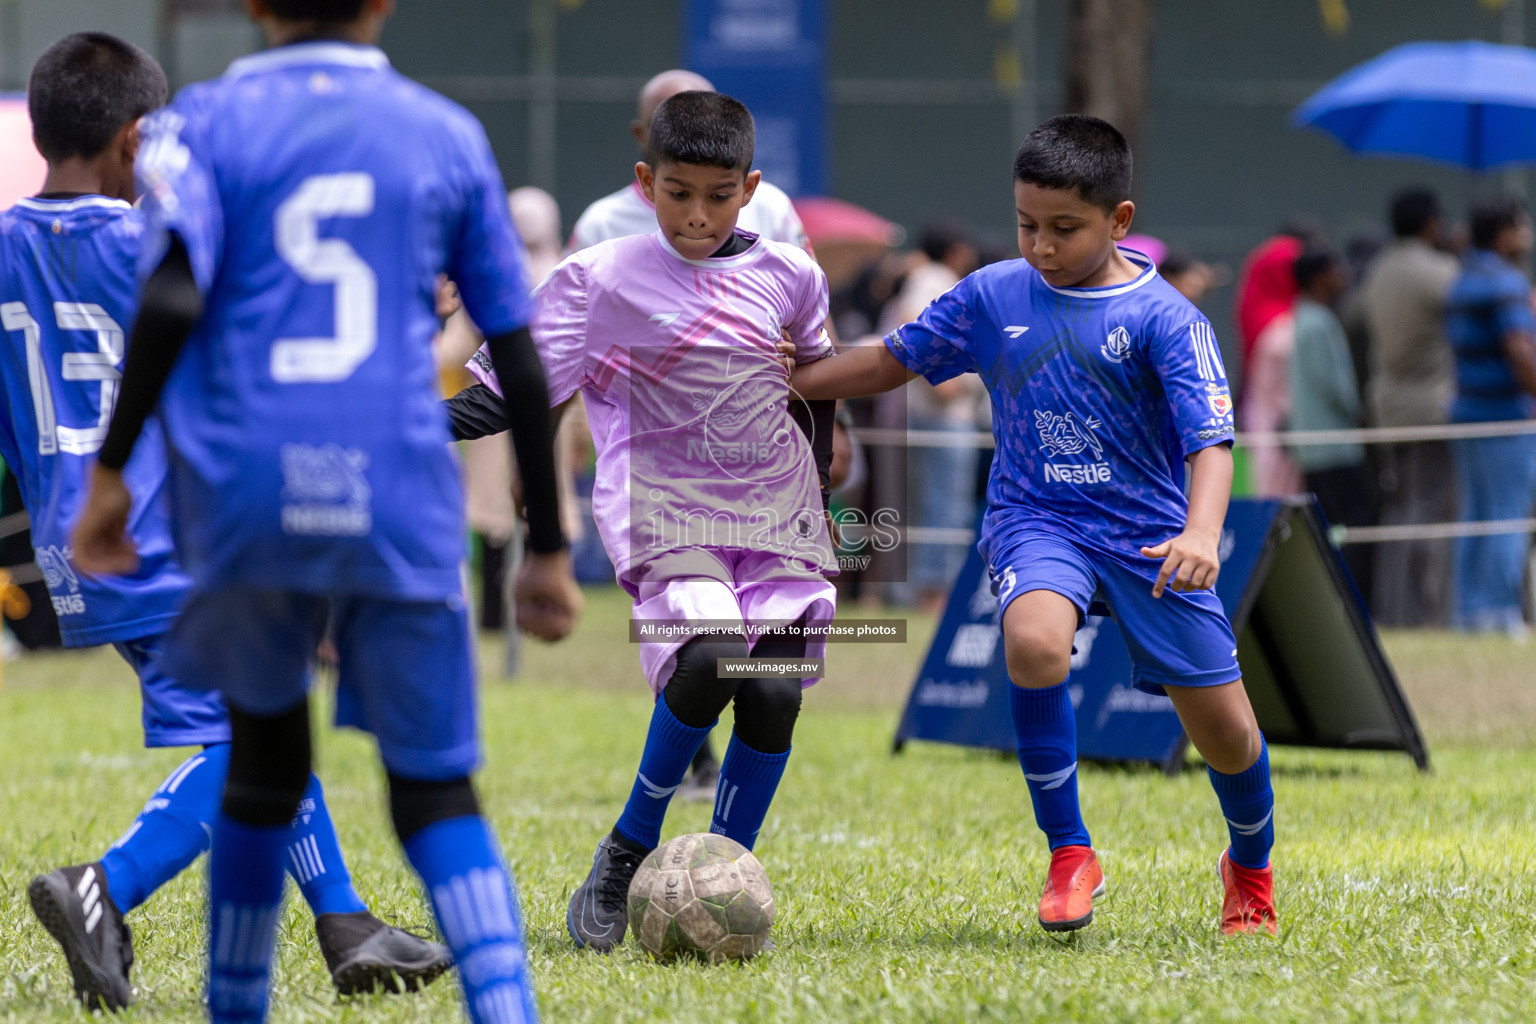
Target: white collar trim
[[1149, 271], [755, 250], [350, 55], [78, 203]]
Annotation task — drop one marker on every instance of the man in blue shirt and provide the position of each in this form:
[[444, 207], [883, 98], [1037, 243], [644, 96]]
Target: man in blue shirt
[[1106, 386], [299, 210], [67, 290], [1489, 322]]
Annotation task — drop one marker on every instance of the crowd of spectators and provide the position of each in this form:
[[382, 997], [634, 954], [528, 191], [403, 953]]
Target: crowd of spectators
[[1433, 329]]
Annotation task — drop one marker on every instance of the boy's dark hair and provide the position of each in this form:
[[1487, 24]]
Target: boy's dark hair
[[316, 10], [1412, 210], [1313, 263], [708, 128], [84, 88], [1492, 215], [1084, 154]]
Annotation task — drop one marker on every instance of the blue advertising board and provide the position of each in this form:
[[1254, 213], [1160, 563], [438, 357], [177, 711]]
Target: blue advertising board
[[1307, 616], [771, 55]]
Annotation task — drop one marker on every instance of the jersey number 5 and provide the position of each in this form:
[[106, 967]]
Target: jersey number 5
[[100, 365], [328, 261]]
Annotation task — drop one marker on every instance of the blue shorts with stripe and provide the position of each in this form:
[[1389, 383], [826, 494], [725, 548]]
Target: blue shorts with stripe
[[175, 714], [1179, 639]]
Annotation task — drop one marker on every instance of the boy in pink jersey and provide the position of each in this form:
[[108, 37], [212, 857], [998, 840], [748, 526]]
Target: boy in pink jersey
[[707, 493]]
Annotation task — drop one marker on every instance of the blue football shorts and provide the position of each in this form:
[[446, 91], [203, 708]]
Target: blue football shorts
[[174, 714], [1179, 639], [406, 667]]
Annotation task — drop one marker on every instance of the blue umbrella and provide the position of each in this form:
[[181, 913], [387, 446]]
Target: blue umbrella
[[1471, 104]]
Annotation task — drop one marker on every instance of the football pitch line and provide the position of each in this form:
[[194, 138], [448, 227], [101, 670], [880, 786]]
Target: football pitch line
[[905, 885]]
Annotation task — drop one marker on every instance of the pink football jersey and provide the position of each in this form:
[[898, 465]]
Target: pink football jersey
[[687, 399]]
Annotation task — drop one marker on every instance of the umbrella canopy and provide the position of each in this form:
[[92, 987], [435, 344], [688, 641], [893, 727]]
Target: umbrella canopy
[[834, 222], [1471, 104]]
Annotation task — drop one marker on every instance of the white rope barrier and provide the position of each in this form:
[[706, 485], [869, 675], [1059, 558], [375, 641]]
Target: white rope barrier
[[1247, 439], [1293, 439], [1430, 531]]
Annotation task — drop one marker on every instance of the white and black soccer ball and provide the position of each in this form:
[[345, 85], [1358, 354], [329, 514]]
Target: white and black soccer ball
[[701, 895]]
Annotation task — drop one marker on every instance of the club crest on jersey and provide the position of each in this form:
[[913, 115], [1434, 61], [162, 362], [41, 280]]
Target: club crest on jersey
[[1117, 347], [1219, 399]]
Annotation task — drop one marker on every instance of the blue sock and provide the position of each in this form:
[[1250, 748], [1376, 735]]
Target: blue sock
[[170, 832], [669, 750], [1046, 727], [313, 857], [748, 780], [471, 892], [245, 895], [1248, 804]]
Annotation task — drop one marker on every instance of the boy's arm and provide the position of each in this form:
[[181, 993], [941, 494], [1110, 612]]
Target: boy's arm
[[852, 373], [1191, 561]]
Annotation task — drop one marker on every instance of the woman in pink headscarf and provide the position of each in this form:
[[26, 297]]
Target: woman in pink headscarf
[[1266, 296]]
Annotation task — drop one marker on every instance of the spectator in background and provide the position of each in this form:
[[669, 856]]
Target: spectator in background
[[1266, 297], [1325, 396], [1190, 277], [1493, 336], [940, 481], [1410, 384]]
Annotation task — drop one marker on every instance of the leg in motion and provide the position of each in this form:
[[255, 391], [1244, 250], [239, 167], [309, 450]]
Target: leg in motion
[[1038, 627], [1220, 723], [766, 710], [689, 706]]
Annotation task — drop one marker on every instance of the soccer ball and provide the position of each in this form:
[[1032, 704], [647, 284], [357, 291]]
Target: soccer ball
[[701, 895]]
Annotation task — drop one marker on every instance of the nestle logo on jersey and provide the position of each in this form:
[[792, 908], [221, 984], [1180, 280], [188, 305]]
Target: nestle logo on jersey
[[739, 452], [1093, 473], [1065, 434]]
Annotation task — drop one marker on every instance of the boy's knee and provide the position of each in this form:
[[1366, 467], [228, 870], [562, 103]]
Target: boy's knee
[[269, 766], [695, 693], [1036, 659], [1232, 746], [766, 710]]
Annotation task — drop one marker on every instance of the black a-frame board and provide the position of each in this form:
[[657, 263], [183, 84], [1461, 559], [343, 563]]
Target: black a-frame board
[[1312, 663]]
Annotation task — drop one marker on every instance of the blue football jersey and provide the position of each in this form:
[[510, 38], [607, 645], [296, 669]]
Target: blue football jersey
[[67, 297], [319, 194], [1098, 395]]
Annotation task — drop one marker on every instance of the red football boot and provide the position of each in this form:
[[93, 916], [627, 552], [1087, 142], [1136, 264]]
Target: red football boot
[[1248, 900], [1074, 879]]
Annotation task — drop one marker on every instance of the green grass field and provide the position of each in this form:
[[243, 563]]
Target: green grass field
[[906, 885]]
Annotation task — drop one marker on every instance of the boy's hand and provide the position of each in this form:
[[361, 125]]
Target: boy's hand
[[445, 295], [546, 594], [1190, 562], [786, 353], [101, 543]]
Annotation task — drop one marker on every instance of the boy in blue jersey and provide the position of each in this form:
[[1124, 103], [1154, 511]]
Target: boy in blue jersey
[[67, 288], [299, 210], [1106, 385]]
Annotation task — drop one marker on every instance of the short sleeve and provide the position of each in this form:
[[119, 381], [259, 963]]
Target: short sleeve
[[808, 328], [559, 329], [174, 173], [940, 343], [485, 255], [1514, 306], [1188, 363]]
